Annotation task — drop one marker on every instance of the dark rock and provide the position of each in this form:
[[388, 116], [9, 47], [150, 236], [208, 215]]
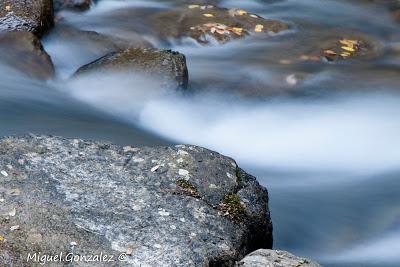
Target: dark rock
[[80, 5], [26, 15], [209, 23], [90, 198], [165, 65], [97, 43], [275, 258], [24, 51]]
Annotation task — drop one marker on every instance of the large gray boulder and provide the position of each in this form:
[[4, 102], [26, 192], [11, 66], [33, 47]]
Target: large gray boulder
[[274, 258], [167, 66], [26, 15], [160, 206], [24, 52]]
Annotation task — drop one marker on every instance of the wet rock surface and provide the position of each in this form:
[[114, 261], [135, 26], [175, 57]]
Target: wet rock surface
[[79, 5], [162, 206], [24, 52], [167, 66], [26, 15], [274, 258], [207, 24]]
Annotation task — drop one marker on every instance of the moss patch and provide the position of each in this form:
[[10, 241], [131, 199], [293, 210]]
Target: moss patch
[[232, 208], [238, 176], [187, 188]]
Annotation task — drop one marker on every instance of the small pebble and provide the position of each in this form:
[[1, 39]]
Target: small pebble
[[163, 213], [12, 212], [183, 172], [14, 228], [129, 251], [182, 152], [155, 168]]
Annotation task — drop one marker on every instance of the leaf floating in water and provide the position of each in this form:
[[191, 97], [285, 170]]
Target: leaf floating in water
[[208, 15], [259, 28], [241, 12], [1, 238], [285, 61], [193, 6], [348, 48], [237, 12], [345, 54], [349, 43], [330, 53], [237, 30], [254, 16]]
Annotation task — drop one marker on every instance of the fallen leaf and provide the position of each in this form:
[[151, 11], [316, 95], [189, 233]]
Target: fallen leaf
[[8, 8], [208, 15], [349, 43], [241, 12], [237, 30], [254, 16], [330, 52], [193, 6], [348, 48], [345, 54], [285, 61], [259, 28], [1, 238]]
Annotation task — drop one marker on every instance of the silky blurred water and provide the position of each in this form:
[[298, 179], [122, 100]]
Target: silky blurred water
[[328, 149]]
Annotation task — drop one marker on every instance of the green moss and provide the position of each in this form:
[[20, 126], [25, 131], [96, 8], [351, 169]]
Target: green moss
[[232, 207], [238, 176], [187, 188]]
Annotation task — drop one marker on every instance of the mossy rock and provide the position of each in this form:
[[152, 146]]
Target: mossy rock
[[233, 208], [167, 66]]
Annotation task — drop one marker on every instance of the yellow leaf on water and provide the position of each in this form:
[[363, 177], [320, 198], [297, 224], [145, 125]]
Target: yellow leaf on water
[[349, 43], [348, 48], [259, 28], [1, 238], [241, 12], [254, 16], [237, 30], [345, 54], [193, 6], [208, 15]]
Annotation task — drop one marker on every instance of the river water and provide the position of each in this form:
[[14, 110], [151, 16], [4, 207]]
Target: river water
[[327, 148]]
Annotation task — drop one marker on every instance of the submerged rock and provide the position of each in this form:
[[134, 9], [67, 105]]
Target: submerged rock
[[274, 258], [159, 206], [165, 65], [24, 52], [208, 23], [26, 15], [80, 5]]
